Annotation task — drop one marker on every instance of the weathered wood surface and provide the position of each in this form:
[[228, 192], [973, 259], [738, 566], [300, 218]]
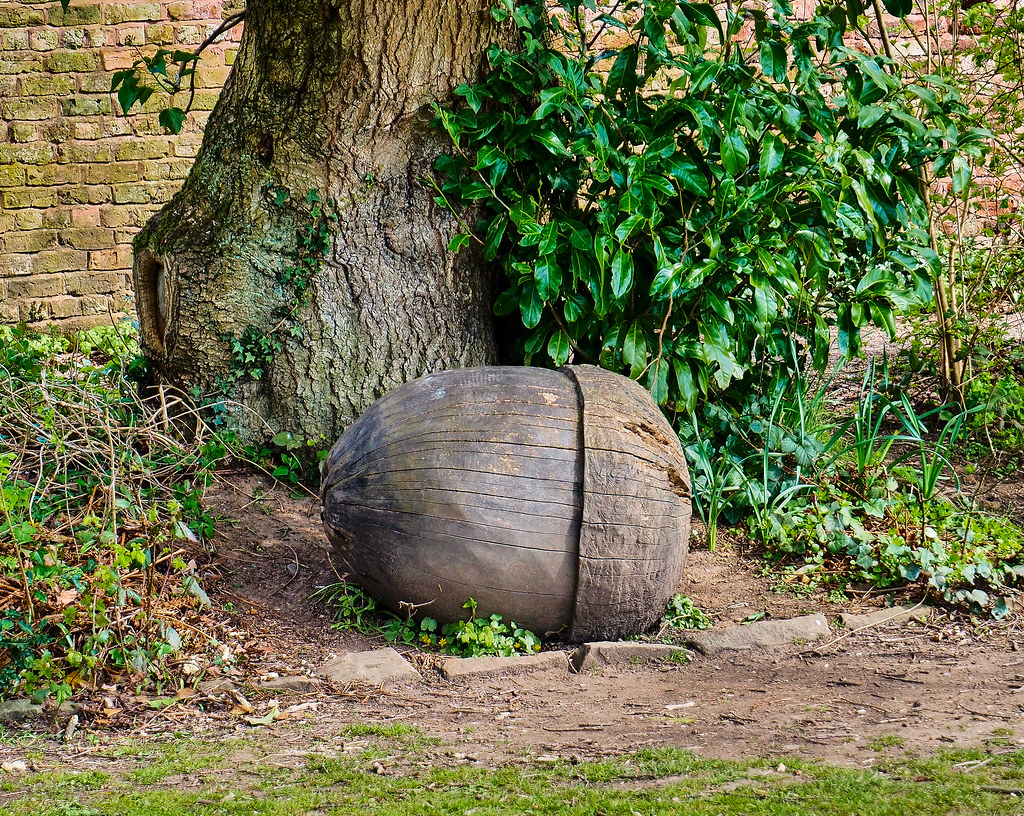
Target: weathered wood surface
[[558, 499], [635, 527], [463, 484]]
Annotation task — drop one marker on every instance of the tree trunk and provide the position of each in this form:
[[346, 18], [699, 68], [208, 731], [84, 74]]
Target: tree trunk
[[333, 97]]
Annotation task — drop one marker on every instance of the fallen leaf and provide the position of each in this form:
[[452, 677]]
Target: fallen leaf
[[266, 719]]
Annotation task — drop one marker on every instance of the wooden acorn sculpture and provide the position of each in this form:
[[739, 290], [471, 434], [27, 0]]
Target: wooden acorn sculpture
[[559, 499]]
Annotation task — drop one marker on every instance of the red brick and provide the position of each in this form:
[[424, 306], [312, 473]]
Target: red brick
[[87, 238], [85, 216], [92, 282], [118, 258], [59, 260], [36, 286]]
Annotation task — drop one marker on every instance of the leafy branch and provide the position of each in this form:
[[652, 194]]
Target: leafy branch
[[166, 71]]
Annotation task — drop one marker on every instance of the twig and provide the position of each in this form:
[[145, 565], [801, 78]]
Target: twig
[[818, 651]]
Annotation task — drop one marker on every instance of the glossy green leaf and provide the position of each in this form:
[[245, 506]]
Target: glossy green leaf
[[548, 239], [626, 229], [870, 115], [548, 275], [657, 380], [495, 234], [773, 59], [690, 177], [772, 155], [559, 348], [704, 14], [551, 100], [734, 153], [622, 272], [961, 174], [899, 8], [634, 351], [458, 242], [622, 75], [507, 302], [686, 385], [531, 306]]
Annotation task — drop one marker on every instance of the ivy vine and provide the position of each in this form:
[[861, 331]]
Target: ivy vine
[[253, 351]]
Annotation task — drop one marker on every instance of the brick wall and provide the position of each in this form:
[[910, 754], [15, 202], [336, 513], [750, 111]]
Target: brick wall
[[77, 180]]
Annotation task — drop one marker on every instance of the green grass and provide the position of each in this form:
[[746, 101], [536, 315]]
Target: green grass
[[888, 741], [232, 777], [393, 730]]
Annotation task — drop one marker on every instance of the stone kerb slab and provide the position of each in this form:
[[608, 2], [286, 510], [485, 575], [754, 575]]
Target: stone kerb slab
[[761, 634], [374, 668], [467, 668]]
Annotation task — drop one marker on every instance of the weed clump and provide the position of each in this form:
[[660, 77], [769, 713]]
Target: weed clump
[[473, 637], [100, 503]]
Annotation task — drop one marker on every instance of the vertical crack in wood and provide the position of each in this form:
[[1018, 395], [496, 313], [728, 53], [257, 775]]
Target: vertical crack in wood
[[580, 493]]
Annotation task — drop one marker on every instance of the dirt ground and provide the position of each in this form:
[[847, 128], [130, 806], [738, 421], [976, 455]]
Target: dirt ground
[[851, 699]]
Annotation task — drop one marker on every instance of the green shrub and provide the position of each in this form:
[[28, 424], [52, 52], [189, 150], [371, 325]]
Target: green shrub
[[688, 209]]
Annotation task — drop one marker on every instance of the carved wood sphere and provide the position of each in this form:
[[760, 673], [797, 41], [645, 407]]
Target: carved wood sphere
[[559, 499]]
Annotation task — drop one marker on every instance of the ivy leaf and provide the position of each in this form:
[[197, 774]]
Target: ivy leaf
[[130, 91], [172, 119]]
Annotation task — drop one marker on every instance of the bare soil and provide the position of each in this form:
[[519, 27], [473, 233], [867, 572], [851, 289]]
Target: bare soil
[[850, 699]]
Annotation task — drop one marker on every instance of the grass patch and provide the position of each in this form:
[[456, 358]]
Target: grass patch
[[386, 730], [888, 741], [648, 782]]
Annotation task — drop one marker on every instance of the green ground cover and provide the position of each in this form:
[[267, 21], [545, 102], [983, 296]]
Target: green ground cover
[[403, 772]]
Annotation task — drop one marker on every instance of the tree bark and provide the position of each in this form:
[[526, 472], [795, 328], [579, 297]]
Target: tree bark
[[332, 96]]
